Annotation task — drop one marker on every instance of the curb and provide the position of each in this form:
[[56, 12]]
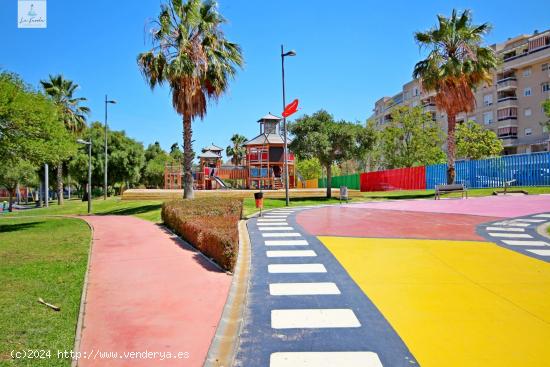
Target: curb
[[83, 297], [223, 349]]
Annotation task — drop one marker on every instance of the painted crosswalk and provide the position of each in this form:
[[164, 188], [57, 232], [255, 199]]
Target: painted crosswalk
[[291, 253], [302, 289], [506, 229], [525, 243], [520, 234], [324, 359], [275, 228], [276, 224], [313, 318], [296, 268], [286, 243], [510, 235]]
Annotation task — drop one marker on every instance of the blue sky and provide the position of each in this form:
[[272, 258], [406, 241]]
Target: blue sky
[[349, 55]]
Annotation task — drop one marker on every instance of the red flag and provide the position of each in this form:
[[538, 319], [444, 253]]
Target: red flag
[[291, 108]]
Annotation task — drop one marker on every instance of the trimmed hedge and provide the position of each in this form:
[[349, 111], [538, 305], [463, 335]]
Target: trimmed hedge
[[209, 224]]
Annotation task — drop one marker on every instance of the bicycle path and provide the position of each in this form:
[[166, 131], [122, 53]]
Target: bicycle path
[[148, 292]]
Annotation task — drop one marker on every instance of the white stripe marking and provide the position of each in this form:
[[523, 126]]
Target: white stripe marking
[[540, 252], [290, 234], [302, 289], [276, 228], [510, 235], [324, 359], [525, 243], [273, 224], [291, 253], [275, 216], [314, 318], [271, 220], [542, 215], [286, 243], [511, 224], [296, 268], [505, 229], [529, 220]]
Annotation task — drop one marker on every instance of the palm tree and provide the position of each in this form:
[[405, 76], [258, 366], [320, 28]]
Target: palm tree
[[236, 151], [61, 91], [456, 64], [192, 56]]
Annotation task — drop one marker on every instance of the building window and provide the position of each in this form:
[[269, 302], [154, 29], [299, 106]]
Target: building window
[[488, 118], [415, 92], [527, 72], [527, 92], [527, 112], [545, 87], [545, 67], [528, 131], [487, 99]]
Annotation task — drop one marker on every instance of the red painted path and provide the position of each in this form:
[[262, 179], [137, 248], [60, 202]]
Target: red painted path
[[148, 293]]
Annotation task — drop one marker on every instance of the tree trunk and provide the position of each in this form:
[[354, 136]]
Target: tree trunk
[[187, 159], [60, 184], [329, 181], [451, 148], [10, 203]]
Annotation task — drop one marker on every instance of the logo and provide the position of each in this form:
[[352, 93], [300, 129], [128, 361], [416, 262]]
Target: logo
[[31, 14]]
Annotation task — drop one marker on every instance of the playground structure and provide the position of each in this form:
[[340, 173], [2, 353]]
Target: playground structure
[[262, 168]]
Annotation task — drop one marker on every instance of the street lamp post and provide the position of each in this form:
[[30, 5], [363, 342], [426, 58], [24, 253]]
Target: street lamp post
[[89, 144], [106, 157], [283, 55]]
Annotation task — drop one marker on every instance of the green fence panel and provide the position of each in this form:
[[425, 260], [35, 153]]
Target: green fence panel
[[351, 181]]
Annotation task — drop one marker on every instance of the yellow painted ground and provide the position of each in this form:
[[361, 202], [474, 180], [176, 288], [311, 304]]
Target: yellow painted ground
[[455, 303]]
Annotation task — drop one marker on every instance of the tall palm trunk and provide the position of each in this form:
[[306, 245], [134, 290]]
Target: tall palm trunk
[[187, 159], [60, 184], [451, 148], [329, 181]]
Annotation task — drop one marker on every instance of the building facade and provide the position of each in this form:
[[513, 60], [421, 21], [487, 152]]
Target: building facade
[[511, 106]]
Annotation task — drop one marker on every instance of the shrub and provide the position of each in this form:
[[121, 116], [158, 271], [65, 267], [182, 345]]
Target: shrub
[[210, 224]]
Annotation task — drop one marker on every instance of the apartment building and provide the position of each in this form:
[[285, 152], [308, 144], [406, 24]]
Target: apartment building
[[510, 106]]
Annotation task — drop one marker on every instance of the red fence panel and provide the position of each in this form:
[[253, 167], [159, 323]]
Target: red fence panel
[[413, 178]]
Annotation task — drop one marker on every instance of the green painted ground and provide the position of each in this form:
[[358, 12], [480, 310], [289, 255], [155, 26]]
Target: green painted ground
[[40, 257]]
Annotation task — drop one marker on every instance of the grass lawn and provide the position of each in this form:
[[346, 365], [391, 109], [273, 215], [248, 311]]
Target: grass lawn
[[144, 209], [249, 204], [41, 257]]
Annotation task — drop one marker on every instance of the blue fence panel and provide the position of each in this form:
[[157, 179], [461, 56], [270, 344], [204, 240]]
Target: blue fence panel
[[526, 169], [436, 174]]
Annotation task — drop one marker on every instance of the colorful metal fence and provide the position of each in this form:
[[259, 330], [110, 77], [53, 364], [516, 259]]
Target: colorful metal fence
[[312, 184], [351, 181], [523, 169], [413, 178]]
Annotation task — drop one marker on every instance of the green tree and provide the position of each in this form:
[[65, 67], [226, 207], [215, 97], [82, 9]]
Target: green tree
[[411, 139], [455, 65], [473, 141], [546, 109], [236, 151], [16, 172], [153, 173], [319, 136], [191, 55], [309, 168], [72, 114], [153, 150], [126, 158], [175, 153], [30, 129]]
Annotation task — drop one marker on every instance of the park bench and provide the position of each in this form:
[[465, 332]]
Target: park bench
[[442, 189]]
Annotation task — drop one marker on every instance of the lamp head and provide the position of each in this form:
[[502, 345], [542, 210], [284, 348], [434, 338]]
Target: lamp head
[[290, 53]]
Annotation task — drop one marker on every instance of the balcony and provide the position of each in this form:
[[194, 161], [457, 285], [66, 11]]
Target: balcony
[[507, 83], [429, 108], [507, 101]]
